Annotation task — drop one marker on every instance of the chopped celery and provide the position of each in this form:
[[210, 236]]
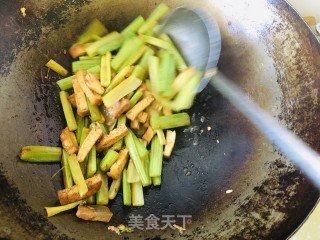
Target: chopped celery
[[105, 72], [145, 58], [66, 172], [109, 159], [157, 42], [170, 121], [51, 211], [109, 43], [139, 72], [156, 181], [53, 65], [80, 124], [134, 57], [40, 154], [92, 162], [126, 189], [65, 83], [94, 112], [114, 188], [135, 98], [77, 175], [132, 27], [121, 90], [94, 28], [118, 78], [156, 158], [161, 136], [167, 73], [85, 64], [102, 196], [137, 194], [67, 110], [132, 174], [154, 73]]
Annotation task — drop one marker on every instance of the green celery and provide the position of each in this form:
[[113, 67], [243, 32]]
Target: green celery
[[139, 72], [85, 64], [67, 110], [156, 158], [147, 167], [156, 181], [77, 175], [40, 154], [66, 172], [105, 72], [92, 162], [137, 194], [157, 42], [133, 27], [94, 28], [109, 43], [126, 189], [94, 112], [145, 58], [167, 73], [154, 73], [119, 78], [91, 200], [132, 174], [134, 154], [65, 83], [142, 150], [135, 98], [84, 134], [134, 56], [114, 188], [161, 136], [118, 145], [109, 159], [102, 196], [51, 211], [129, 47], [81, 58], [80, 124], [170, 121], [121, 90]]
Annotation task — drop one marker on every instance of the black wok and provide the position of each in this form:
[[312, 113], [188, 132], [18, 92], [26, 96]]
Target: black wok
[[266, 48]]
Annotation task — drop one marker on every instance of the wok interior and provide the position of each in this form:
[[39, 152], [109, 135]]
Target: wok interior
[[273, 60]]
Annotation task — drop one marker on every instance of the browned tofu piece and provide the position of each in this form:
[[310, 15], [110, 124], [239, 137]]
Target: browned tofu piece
[[166, 111], [148, 135], [93, 136], [135, 124], [94, 213], [94, 98], [112, 113], [139, 107], [71, 194], [114, 136], [143, 87], [170, 140], [93, 83], [82, 106], [142, 117], [69, 141], [118, 166], [72, 100]]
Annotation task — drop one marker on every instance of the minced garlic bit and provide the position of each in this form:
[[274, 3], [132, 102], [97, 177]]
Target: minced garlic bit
[[209, 128], [23, 11], [229, 191], [180, 229], [114, 229]]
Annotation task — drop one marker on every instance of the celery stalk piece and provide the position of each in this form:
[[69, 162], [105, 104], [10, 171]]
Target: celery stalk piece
[[40, 154], [80, 126], [91, 200], [137, 194], [134, 154], [132, 174], [114, 188], [105, 72], [109, 159], [133, 27], [180, 62], [142, 150], [157, 42], [67, 110], [135, 98], [155, 168], [159, 12], [77, 175], [51, 211], [53, 65], [170, 121], [109, 43], [66, 172], [167, 73], [161, 136], [94, 28], [86, 123], [81, 58], [126, 189], [184, 98], [102, 196], [145, 58], [156, 181], [154, 73], [121, 90], [94, 112], [147, 167], [92, 162], [95, 69], [109, 47], [129, 47], [134, 57], [147, 27], [65, 83], [85, 64], [139, 72], [84, 134], [118, 78]]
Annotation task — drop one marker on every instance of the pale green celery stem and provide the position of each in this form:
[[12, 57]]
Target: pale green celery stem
[[132, 27], [156, 181], [145, 58], [92, 162], [147, 167], [114, 188], [68, 111], [121, 120], [109, 159], [66, 172], [94, 112], [84, 64], [118, 78], [170, 121], [161, 136], [77, 175], [102, 196], [132, 174], [156, 153], [84, 134], [94, 28], [142, 150], [91, 199], [167, 73], [105, 72], [51, 211], [80, 123], [45, 154], [124, 88], [154, 73], [135, 98], [137, 194], [126, 189], [139, 72]]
